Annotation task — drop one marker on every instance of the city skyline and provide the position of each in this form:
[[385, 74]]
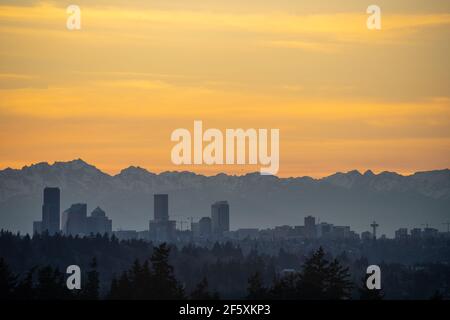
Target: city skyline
[[74, 221], [294, 197], [224, 158]]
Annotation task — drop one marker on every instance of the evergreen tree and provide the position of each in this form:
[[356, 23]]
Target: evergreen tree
[[146, 281], [369, 294], [51, 285], [285, 288], [338, 285], [165, 284], [318, 280], [25, 289], [141, 281], [255, 289], [92, 286], [314, 276], [201, 292], [7, 281], [114, 290], [124, 289]]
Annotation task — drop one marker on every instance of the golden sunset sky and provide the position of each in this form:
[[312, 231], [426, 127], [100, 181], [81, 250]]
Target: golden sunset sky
[[344, 97]]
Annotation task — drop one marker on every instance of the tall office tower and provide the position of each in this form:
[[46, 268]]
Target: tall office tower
[[310, 227], [161, 228], [161, 207], [51, 211], [204, 226], [74, 220], [416, 233], [220, 216]]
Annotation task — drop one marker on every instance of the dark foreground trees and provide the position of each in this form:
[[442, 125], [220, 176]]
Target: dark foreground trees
[[319, 279], [152, 280], [367, 294], [39, 283], [201, 292]]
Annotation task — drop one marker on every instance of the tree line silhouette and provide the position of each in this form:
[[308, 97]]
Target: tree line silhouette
[[34, 268], [319, 279], [154, 280], [45, 283]]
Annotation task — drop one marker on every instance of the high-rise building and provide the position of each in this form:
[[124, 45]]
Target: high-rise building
[[310, 227], [51, 211], [161, 207], [220, 216], [340, 232], [161, 228], [205, 227], [247, 233], [324, 230], [366, 236], [429, 233], [416, 233], [401, 233], [195, 229], [74, 220], [98, 222]]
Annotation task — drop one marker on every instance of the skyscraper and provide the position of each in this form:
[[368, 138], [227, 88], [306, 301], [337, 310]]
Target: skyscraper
[[51, 211], [205, 226], [161, 207], [310, 227], [220, 215], [161, 228]]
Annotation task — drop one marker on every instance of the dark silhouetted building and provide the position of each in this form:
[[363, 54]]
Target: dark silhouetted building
[[220, 216], [324, 230], [366, 236], [205, 227], [247, 233], [161, 228], [310, 227], [50, 213], [416, 233], [340, 232], [161, 207], [98, 222], [74, 220], [401, 234], [429, 233], [51, 210]]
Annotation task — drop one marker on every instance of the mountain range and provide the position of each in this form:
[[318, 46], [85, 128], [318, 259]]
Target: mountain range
[[352, 198]]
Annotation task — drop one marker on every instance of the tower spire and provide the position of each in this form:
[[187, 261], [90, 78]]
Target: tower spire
[[374, 226]]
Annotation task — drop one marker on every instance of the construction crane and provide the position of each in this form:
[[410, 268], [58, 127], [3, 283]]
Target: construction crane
[[181, 220], [191, 219], [184, 221], [374, 226]]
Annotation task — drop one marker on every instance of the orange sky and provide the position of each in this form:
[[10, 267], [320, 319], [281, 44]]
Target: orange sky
[[111, 93]]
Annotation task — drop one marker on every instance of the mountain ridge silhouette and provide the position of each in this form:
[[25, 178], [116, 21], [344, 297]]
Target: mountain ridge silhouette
[[352, 198]]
